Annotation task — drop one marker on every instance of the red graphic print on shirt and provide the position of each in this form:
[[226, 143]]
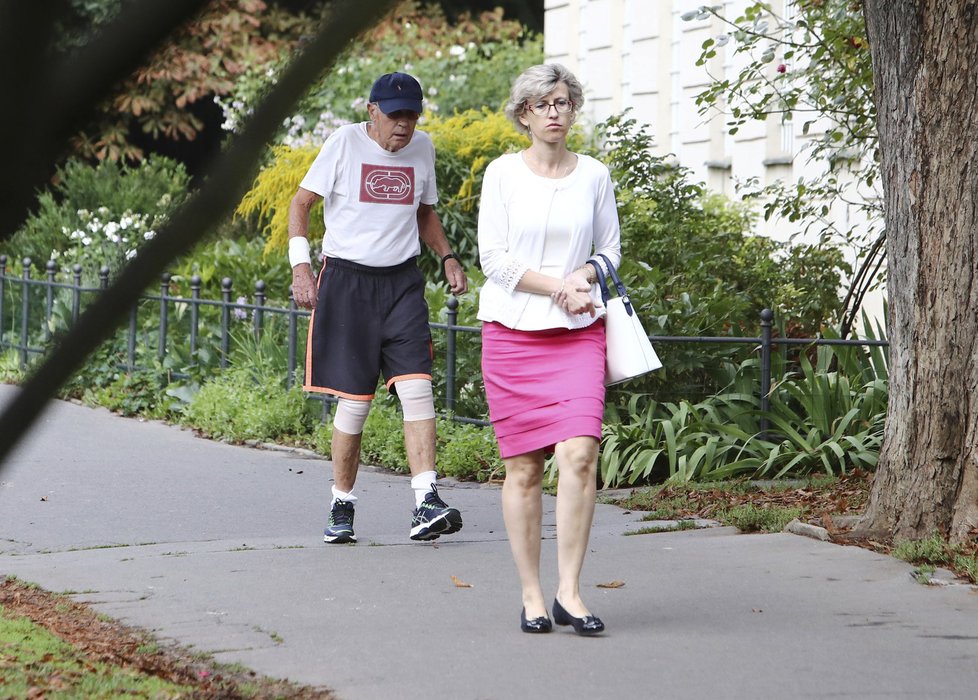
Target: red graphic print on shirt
[[386, 184]]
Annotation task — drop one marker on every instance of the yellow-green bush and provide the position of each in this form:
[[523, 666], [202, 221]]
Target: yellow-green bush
[[269, 197], [466, 143]]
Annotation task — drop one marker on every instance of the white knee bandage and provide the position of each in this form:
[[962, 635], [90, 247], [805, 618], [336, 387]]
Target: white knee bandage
[[417, 401], [350, 416]]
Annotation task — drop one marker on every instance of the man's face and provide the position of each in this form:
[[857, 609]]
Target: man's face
[[392, 131]]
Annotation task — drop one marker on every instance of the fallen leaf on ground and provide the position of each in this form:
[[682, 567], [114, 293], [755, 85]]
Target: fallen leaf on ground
[[459, 583], [611, 584]]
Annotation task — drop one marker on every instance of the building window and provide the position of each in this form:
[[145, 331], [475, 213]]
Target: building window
[[787, 137]]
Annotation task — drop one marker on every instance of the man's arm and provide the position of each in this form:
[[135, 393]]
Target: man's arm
[[303, 282], [433, 235]]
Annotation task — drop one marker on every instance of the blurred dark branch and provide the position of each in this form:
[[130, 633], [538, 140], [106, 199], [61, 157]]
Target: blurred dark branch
[[83, 78], [52, 94], [226, 183]]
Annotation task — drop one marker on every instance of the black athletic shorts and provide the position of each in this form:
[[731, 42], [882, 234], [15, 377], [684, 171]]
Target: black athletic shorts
[[368, 321]]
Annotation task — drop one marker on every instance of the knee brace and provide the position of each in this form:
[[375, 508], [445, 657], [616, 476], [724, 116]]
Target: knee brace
[[350, 416], [417, 401]]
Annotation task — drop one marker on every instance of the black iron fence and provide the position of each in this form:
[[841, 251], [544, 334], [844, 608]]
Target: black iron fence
[[32, 310]]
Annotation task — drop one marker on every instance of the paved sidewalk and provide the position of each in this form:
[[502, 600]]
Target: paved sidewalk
[[220, 547]]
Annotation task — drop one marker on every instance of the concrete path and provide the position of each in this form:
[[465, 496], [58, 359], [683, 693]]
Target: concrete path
[[219, 547]]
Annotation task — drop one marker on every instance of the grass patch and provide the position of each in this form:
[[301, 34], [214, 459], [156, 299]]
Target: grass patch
[[930, 550], [36, 663], [653, 529], [933, 551], [750, 518], [765, 506], [54, 647], [668, 509], [923, 573], [967, 565]]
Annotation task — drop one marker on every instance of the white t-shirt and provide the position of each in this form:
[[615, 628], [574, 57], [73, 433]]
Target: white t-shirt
[[529, 222], [371, 196]]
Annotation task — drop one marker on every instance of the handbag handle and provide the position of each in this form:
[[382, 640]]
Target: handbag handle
[[615, 280]]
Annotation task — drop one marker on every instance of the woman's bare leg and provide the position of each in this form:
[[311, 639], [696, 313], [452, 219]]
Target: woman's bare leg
[[577, 463], [523, 514]]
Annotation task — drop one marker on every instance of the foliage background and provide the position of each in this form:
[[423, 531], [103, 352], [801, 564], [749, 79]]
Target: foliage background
[[691, 266], [814, 67]]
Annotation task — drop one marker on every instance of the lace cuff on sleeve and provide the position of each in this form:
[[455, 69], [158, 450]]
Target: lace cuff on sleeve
[[511, 274]]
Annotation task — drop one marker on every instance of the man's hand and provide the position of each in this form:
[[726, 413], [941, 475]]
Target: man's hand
[[455, 275], [304, 289]]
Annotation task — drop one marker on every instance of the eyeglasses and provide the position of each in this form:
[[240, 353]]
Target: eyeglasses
[[542, 109]]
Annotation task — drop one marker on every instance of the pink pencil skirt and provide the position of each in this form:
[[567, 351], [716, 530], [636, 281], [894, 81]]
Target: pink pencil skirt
[[543, 387]]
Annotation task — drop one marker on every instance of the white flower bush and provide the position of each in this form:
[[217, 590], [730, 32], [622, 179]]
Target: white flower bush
[[299, 135], [105, 239]]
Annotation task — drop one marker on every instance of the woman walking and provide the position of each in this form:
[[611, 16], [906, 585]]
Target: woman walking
[[544, 211]]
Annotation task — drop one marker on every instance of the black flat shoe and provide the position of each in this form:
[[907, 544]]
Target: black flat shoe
[[585, 626], [538, 625]]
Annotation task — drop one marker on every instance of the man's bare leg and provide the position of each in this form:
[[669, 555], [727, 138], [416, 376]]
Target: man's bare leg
[[346, 459], [346, 462], [419, 443], [433, 517]]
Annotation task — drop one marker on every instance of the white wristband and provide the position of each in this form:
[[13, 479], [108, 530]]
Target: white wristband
[[299, 251]]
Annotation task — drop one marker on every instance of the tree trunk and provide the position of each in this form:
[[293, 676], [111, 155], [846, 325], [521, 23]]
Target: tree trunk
[[925, 61]]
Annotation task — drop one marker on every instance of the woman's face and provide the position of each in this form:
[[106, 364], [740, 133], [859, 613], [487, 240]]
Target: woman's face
[[544, 121]]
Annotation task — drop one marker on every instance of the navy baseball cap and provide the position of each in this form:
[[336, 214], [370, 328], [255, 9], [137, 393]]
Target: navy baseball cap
[[396, 91]]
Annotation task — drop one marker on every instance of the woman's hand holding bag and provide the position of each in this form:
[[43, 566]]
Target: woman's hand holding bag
[[629, 353]]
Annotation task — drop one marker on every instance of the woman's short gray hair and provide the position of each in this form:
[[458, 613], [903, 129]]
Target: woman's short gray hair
[[534, 83]]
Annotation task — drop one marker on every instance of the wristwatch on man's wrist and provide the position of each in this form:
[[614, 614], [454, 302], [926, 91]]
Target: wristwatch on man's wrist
[[450, 256]]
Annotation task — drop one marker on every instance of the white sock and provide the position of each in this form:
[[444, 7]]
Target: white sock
[[422, 484], [342, 496]]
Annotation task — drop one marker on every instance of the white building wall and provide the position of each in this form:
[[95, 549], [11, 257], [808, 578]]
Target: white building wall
[[640, 54]]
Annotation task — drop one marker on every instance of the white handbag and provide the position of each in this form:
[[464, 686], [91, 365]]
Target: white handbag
[[629, 353]]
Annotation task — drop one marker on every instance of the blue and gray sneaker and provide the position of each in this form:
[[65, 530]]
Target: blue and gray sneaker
[[434, 518], [339, 529]]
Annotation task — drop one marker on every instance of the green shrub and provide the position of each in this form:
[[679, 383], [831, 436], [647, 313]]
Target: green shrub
[[239, 405], [827, 81], [99, 215], [322, 438], [140, 393], [10, 372], [680, 239], [268, 200], [242, 259], [383, 437], [827, 417], [467, 452], [470, 397]]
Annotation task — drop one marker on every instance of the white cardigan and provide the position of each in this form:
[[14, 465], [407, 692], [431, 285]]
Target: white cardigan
[[517, 209]]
